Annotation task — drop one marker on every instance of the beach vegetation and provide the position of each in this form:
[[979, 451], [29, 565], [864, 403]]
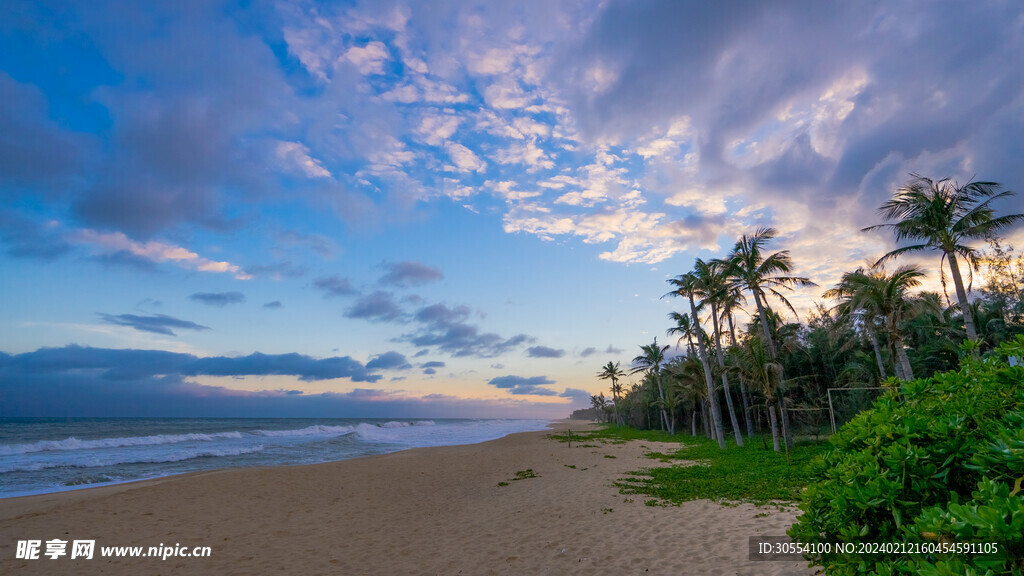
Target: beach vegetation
[[747, 473], [525, 474], [937, 461]]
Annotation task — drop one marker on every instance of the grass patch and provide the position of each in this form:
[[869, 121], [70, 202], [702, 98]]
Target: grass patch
[[573, 466], [609, 456], [524, 474], [612, 434], [747, 474]]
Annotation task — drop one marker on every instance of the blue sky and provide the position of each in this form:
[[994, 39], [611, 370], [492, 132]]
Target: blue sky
[[444, 208]]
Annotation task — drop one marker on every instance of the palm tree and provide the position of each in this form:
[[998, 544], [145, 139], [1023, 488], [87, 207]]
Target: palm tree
[[688, 285], [669, 403], [754, 362], [687, 374], [598, 403], [732, 300], [762, 275], [684, 328], [714, 285], [945, 216], [885, 297], [611, 372], [650, 361]]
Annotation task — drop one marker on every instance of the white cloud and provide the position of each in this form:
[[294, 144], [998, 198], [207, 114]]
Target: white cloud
[[527, 153], [113, 242], [435, 129], [295, 157], [506, 94], [464, 158], [307, 44], [403, 93], [416, 65], [492, 62], [368, 59]]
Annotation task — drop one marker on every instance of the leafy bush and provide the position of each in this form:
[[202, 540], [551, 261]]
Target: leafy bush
[[939, 460]]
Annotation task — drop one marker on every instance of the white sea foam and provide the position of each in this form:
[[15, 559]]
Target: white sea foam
[[316, 430], [123, 458], [76, 444]]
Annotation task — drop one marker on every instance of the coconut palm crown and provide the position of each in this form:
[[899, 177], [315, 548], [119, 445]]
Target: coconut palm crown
[[942, 215]]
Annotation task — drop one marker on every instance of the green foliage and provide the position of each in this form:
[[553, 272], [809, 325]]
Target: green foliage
[[611, 434], [936, 461], [524, 474], [521, 475], [747, 474]]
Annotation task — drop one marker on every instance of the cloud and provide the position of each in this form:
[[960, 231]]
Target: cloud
[[334, 286], [544, 352], [432, 364], [294, 157], [369, 59], [82, 381], [274, 304], [378, 306], [219, 299], [518, 385], [612, 350], [129, 364], [28, 238], [446, 329], [107, 243], [388, 361], [406, 274], [464, 158], [589, 351], [580, 398], [157, 323], [276, 270]]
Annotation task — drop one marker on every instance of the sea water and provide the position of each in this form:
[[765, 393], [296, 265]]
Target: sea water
[[39, 455]]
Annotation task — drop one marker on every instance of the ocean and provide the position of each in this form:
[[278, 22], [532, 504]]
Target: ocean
[[40, 455]]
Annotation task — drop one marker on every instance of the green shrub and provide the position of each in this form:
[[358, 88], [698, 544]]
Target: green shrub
[[939, 460]]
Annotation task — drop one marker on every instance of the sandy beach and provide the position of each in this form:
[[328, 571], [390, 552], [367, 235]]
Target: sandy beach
[[422, 511]]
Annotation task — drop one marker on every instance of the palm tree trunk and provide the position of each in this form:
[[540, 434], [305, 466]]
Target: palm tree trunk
[[786, 432], [725, 378], [878, 352], [961, 296], [747, 413], [693, 420], [715, 415], [775, 427], [901, 353], [744, 394], [896, 366], [615, 403], [661, 396]]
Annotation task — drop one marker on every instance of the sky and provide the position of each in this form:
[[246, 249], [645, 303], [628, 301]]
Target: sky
[[445, 208]]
